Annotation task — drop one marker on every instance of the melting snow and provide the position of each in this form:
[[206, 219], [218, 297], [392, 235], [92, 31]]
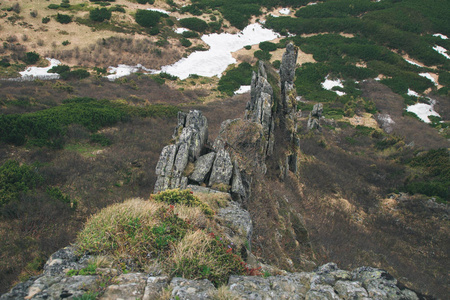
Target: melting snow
[[329, 84], [181, 30], [214, 61], [413, 63], [441, 50], [412, 93], [41, 73], [428, 76], [285, 11], [159, 10], [243, 89], [444, 37], [423, 111], [125, 70]]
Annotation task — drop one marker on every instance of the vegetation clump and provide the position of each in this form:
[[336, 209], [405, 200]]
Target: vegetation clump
[[234, 78], [147, 18], [100, 14], [194, 24], [185, 197], [149, 232]]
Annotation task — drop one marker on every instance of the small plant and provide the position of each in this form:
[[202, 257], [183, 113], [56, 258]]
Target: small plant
[[100, 139], [45, 20], [248, 47], [33, 13], [262, 55], [185, 42], [91, 269], [147, 18], [53, 6], [65, 43], [100, 14], [185, 197]]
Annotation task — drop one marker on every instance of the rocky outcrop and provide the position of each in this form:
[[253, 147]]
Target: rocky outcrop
[[259, 109], [190, 137], [314, 117], [326, 282], [203, 167]]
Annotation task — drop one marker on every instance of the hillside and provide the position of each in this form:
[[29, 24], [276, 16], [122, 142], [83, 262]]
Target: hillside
[[371, 182]]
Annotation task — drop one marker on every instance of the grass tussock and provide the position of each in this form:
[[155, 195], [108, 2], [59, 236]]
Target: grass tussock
[[149, 233]]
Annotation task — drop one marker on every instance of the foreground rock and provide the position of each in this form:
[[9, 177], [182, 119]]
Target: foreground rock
[[326, 282]]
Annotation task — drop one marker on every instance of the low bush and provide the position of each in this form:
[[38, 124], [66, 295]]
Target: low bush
[[101, 139], [195, 24], [53, 6], [268, 46], [45, 20], [16, 179], [262, 55], [190, 34], [100, 14], [147, 18], [31, 58], [234, 78], [63, 19], [185, 42]]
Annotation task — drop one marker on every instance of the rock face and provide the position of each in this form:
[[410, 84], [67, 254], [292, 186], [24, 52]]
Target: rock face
[[326, 282], [314, 117], [191, 135], [259, 109], [222, 169], [202, 167]]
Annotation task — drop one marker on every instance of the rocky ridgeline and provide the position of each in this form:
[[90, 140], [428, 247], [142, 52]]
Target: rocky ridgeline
[[326, 282], [225, 168]]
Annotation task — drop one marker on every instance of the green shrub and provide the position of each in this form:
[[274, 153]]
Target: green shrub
[[65, 43], [184, 197], [185, 42], [31, 58], [147, 18], [53, 6], [56, 194], [154, 30], [100, 14], [16, 179], [248, 47], [63, 19], [4, 63], [168, 76], [262, 55], [190, 34], [276, 64], [195, 24], [234, 78], [45, 20], [268, 46], [91, 269]]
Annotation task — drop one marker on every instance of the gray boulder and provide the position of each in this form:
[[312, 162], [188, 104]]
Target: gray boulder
[[202, 167], [288, 64], [237, 186], [127, 287], [166, 160], [222, 169], [185, 289], [317, 110], [238, 220]]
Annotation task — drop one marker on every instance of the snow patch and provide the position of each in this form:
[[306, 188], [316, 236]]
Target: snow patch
[[412, 63], [423, 111], [243, 89], [428, 76], [41, 73], [159, 10], [329, 84], [215, 61], [441, 50], [125, 70], [285, 11], [181, 30], [412, 93], [444, 37]]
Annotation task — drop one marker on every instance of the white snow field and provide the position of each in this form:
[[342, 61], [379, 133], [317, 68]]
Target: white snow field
[[329, 84], [180, 30], [159, 10], [243, 89], [125, 70], [441, 50], [412, 93], [444, 37], [412, 63], [215, 60], [423, 111], [41, 73], [428, 76], [285, 11]]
